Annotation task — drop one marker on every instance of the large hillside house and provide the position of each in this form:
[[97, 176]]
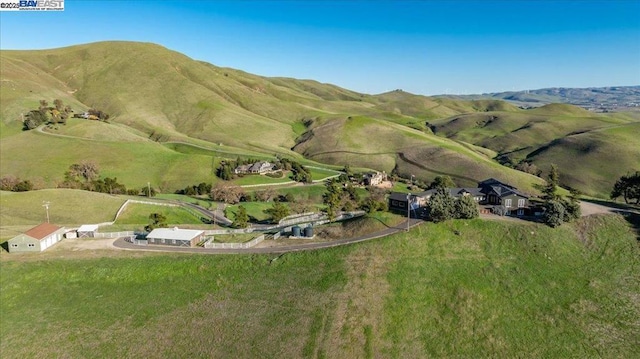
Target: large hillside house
[[37, 239], [490, 193], [374, 178], [255, 168]]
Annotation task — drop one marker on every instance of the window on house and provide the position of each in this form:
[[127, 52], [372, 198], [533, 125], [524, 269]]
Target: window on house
[[521, 203], [32, 245], [14, 245], [394, 203], [174, 241], [507, 202], [521, 212]]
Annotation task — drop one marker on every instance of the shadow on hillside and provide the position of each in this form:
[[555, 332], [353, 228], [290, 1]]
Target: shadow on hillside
[[633, 219], [629, 212]]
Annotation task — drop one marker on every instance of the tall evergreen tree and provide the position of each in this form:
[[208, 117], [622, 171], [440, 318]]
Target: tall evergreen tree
[[441, 206], [553, 179], [466, 208], [242, 218]]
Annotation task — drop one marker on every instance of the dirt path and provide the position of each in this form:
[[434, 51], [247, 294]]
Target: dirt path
[[589, 208]]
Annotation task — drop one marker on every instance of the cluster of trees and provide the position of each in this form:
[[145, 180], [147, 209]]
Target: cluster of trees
[[277, 212], [199, 189], [299, 173], [157, 220], [86, 176], [235, 194], [557, 208], [58, 113], [226, 168], [228, 194], [441, 182], [443, 206], [525, 165], [14, 184], [627, 186], [341, 195]]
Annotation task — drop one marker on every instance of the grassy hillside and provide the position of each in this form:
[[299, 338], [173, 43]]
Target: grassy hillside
[[155, 93], [45, 158], [21, 211], [367, 142], [592, 149], [532, 291], [594, 160]]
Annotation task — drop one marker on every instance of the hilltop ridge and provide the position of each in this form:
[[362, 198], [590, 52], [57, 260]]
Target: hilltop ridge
[[154, 94]]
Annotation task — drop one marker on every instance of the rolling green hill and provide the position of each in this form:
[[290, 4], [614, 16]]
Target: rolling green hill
[[157, 95], [583, 143]]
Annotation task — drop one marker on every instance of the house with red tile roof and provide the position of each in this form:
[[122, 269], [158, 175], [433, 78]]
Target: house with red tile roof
[[37, 239]]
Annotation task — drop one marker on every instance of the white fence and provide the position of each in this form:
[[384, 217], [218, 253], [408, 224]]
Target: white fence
[[301, 218], [114, 234], [210, 232], [245, 245]]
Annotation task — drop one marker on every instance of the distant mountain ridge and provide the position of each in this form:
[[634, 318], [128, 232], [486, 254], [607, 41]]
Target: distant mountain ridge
[[599, 99]]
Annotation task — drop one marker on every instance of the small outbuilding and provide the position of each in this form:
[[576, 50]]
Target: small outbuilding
[[175, 237], [87, 230], [37, 239]]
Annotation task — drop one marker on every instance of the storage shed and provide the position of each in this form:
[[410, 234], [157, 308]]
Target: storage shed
[[175, 237], [37, 239], [87, 230]]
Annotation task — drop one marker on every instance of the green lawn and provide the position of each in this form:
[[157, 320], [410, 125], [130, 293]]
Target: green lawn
[[255, 210], [138, 214], [235, 238], [454, 289], [320, 174], [260, 179], [201, 201]]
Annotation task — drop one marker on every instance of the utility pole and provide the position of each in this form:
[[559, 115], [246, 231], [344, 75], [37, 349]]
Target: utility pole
[[148, 189], [408, 210], [46, 207]]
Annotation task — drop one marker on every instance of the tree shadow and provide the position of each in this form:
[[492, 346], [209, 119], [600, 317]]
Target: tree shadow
[[633, 219]]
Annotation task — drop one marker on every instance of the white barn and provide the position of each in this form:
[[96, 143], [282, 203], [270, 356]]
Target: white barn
[[175, 237]]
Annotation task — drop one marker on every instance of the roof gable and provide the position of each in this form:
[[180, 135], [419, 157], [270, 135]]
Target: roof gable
[[42, 231]]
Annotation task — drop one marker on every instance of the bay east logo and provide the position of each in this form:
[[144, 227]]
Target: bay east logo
[[31, 5]]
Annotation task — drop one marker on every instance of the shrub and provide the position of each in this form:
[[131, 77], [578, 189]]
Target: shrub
[[466, 208], [554, 214]]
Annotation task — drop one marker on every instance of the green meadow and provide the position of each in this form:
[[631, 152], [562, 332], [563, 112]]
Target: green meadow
[[479, 289]]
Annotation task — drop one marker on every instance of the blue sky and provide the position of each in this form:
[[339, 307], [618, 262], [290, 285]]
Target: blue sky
[[424, 47]]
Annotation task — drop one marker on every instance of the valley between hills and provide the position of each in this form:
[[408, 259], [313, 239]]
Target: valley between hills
[[459, 288]]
